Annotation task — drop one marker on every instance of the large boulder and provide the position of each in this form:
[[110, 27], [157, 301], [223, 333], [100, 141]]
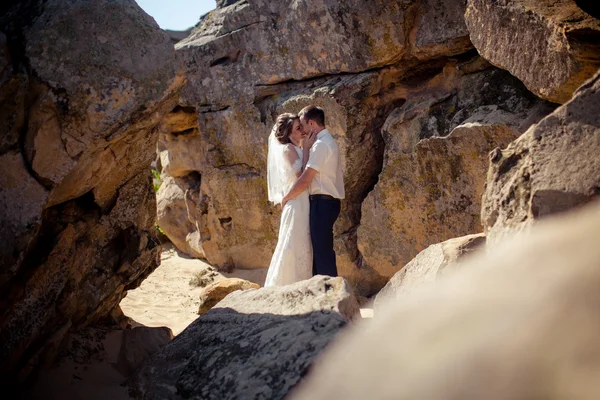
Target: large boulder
[[138, 345], [550, 169], [428, 266], [253, 344], [84, 87], [440, 29], [551, 46], [436, 158], [242, 44], [520, 323], [217, 291], [88, 118]]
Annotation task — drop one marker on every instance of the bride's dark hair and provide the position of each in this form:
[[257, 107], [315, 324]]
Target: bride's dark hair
[[284, 125]]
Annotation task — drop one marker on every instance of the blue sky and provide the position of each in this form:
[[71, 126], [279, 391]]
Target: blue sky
[[177, 14]]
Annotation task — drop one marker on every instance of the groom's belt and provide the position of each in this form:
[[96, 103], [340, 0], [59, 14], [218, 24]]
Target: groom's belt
[[321, 197]]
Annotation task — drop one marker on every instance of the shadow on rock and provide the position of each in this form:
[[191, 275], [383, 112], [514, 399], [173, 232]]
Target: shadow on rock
[[230, 355]]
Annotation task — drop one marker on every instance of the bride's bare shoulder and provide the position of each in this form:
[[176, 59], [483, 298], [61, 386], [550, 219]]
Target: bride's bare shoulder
[[289, 148], [290, 152]]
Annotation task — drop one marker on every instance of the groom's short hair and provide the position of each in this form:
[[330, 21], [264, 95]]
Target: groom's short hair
[[313, 112]]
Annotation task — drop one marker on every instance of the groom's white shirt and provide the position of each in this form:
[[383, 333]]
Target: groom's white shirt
[[325, 159]]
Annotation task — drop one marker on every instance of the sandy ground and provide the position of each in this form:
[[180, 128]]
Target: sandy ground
[[166, 297]]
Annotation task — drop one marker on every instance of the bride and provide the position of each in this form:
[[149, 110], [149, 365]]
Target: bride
[[288, 155]]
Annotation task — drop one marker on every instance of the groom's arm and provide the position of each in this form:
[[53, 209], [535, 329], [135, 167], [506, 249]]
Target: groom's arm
[[318, 155], [301, 185]]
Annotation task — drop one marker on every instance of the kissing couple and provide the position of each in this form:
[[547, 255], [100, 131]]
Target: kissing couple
[[304, 175]]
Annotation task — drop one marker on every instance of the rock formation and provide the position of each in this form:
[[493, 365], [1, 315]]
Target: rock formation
[[552, 168], [217, 291], [436, 158], [521, 323], [371, 66], [83, 87], [428, 266], [551, 46], [253, 344], [416, 92]]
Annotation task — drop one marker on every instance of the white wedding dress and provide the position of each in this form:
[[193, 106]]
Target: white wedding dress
[[292, 260]]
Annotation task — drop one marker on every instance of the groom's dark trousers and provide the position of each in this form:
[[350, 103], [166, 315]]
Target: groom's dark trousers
[[324, 210]]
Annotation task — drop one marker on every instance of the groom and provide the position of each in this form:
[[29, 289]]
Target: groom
[[324, 179]]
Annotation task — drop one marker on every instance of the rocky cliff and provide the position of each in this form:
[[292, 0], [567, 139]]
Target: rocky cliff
[[83, 87], [414, 107]]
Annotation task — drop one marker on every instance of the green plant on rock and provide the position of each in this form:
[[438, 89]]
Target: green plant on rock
[[159, 230], [156, 181]]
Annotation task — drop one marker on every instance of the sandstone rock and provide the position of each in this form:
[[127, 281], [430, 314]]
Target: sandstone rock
[[75, 283], [180, 213], [428, 266], [253, 344], [235, 219], [138, 345], [316, 294], [557, 36], [217, 291], [82, 92], [88, 119], [180, 148], [440, 29], [89, 363], [553, 167], [44, 147], [283, 46], [501, 328], [242, 44], [21, 201], [435, 160]]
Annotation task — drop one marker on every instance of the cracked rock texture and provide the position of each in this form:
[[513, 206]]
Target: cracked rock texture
[[552, 168], [436, 147], [83, 87], [552, 46], [253, 344]]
